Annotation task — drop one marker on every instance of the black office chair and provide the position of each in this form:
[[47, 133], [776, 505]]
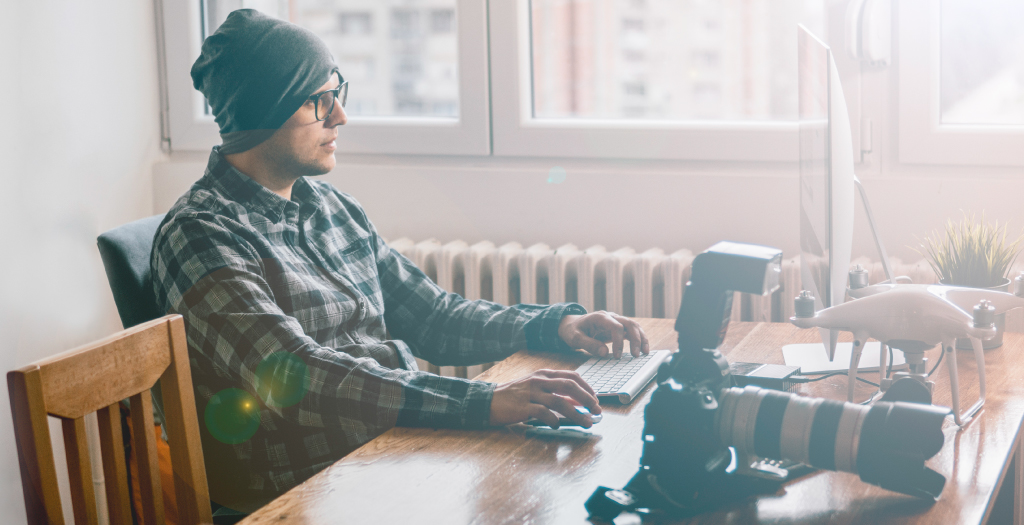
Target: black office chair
[[125, 251]]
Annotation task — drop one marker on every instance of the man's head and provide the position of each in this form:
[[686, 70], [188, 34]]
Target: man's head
[[304, 145], [258, 74]]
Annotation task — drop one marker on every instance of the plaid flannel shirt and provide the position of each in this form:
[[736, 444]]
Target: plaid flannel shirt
[[254, 274]]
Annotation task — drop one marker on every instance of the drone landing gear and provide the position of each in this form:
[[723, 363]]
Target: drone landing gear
[[916, 372], [912, 385], [949, 347]]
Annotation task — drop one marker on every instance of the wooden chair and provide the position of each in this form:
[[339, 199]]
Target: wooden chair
[[95, 378]]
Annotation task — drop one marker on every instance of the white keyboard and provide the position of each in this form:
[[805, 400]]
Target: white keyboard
[[622, 378]]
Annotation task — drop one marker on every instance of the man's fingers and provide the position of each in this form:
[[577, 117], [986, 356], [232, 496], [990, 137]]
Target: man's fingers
[[637, 339], [571, 389], [542, 414], [572, 375], [645, 345], [591, 345], [614, 330], [618, 336], [565, 407], [607, 328]]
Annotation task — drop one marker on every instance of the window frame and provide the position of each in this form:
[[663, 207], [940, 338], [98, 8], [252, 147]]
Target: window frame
[[517, 133], [923, 138], [189, 129]]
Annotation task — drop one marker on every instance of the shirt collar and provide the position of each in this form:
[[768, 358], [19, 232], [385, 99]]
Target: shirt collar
[[242, 189]]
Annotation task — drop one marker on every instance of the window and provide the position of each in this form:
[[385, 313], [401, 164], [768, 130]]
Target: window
[[355, 24], [442, 21], [417, 75], [648, 79], [961, 73], [981, 53], [685, 79]]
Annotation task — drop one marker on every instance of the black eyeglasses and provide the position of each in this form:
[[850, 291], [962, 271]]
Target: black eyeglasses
[[324, 100]]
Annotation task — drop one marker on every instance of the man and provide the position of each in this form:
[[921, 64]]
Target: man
[[302, 323]]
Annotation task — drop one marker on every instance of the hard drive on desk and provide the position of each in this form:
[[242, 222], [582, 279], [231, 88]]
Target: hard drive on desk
[[775, 377]]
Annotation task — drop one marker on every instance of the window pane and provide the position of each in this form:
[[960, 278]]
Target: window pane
[[400, 57], [982, 62], [668, 59]]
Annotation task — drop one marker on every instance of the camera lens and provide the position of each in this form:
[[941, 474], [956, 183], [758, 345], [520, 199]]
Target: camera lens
[[886, 443]]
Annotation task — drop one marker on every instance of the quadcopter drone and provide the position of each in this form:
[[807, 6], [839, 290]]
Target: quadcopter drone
[[914, 318]]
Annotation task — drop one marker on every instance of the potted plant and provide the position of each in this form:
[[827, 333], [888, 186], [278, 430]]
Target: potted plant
[[975, 254]]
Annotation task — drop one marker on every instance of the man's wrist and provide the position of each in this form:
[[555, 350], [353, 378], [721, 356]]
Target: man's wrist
[[565, 328]]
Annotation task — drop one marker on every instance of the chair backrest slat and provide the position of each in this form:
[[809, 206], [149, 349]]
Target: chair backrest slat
[[35, 452], [114, 466], [83, 496], [144, 445], [190, 486], [94, 378], [78, 382]]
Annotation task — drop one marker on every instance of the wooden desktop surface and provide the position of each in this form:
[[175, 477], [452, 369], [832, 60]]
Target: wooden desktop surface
[[513, 475]]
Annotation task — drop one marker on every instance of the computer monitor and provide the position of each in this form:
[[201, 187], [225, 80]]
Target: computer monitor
[[826, 178]]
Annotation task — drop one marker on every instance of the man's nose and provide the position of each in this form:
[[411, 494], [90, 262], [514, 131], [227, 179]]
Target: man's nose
[[338, 117]]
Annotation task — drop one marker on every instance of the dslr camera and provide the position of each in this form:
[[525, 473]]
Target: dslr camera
[[707, 442]]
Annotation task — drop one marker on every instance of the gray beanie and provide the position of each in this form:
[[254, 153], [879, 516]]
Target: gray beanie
[[256, 71]]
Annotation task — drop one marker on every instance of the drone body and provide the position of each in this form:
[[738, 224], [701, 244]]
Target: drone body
[[909, 312], [914, 318]]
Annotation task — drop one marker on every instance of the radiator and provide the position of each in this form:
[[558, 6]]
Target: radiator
[[635, 284]]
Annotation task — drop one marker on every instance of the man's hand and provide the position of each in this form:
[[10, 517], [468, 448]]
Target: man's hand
[[536, 395], [591, 332]]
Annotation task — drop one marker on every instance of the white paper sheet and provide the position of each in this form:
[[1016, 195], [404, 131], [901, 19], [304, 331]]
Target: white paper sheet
[[812, 358]]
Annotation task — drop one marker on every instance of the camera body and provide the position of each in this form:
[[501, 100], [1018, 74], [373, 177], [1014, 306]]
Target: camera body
[[707, 442], [683, 455]]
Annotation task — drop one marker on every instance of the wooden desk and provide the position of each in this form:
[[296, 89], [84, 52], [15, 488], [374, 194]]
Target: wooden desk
[[510, 476]]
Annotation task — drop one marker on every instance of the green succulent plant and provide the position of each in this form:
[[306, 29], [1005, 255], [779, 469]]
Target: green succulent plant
[[971, 253]]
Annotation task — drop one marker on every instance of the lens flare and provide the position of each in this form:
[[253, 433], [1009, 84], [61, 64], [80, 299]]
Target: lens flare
[[232, 416], [282, 379]]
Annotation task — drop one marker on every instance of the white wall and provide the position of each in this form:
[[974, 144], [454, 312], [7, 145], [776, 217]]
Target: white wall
[[637, 204], [79, 132], [611, 203]]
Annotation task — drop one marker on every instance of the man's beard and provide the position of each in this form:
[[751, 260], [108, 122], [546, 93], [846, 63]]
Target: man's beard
[[296, 166], [307, 168]]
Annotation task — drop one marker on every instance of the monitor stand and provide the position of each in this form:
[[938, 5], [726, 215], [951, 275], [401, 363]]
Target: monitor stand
[[874, 231], [805, 356]]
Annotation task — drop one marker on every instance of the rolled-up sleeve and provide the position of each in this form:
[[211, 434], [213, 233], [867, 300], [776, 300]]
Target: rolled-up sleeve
[[216, 281]]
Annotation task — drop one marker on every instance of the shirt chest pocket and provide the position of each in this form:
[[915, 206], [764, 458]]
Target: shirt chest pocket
[[357, 263], [357, 251]]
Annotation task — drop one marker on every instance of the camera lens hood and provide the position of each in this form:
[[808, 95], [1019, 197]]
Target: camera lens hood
[[896, 440]]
